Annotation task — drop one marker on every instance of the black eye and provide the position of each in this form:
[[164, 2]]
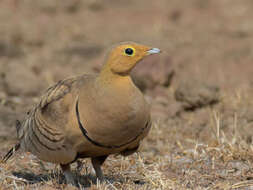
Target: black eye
[[129, 51]]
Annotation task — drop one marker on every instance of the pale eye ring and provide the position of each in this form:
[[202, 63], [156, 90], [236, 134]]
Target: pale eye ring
[[129, 51]]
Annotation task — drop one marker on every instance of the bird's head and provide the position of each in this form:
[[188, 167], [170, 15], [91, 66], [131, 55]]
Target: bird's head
[[123, 58]]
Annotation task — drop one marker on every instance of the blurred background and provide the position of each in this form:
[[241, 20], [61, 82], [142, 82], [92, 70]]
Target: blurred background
[[200, 87]]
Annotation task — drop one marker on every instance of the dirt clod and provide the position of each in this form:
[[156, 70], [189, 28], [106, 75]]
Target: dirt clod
[[194, 95], [153, 72]]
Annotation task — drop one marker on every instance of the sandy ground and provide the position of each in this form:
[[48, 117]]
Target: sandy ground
[[200, 87]]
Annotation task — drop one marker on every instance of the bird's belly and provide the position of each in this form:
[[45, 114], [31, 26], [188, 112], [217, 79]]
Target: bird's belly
[[116, 140], [89, 149]]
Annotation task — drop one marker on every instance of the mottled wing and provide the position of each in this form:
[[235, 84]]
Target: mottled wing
[[57, 91], [42, 135]]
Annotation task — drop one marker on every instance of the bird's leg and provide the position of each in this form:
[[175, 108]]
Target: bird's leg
[[79, 166], [97, 162], [68, 174]]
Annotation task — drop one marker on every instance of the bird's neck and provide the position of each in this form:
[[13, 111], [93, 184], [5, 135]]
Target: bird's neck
[[108, 79]]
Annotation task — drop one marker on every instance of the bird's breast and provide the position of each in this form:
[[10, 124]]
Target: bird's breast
[[115, 119]]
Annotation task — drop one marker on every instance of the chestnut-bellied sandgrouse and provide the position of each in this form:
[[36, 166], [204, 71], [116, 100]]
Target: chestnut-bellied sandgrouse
[[89, 115]]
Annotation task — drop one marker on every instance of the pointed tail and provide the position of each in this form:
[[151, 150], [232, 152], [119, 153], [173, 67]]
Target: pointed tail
[[10, 153], [13, 149]]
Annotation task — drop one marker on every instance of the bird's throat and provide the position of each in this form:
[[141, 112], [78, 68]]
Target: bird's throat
[[108, 79]]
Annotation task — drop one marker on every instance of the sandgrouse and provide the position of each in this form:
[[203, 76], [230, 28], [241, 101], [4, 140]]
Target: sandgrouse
[[89, 115]]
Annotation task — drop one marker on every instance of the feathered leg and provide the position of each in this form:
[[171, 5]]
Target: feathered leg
[[68, 174], [97, 162]]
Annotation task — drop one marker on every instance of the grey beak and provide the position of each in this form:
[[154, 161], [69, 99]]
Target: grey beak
[[153, 51]]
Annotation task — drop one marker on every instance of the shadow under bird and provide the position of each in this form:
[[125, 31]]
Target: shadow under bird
[[89, 115]]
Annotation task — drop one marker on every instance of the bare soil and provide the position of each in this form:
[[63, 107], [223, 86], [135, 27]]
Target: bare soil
[[200, 87]]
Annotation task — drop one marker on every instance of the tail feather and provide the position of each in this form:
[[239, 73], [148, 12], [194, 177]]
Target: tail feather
[[15, 148], [10, 153]]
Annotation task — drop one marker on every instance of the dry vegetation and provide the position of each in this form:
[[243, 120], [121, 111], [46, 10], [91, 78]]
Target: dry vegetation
[[200, 88]]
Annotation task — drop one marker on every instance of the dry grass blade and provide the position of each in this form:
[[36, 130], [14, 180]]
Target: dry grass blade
[[242, 184]]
